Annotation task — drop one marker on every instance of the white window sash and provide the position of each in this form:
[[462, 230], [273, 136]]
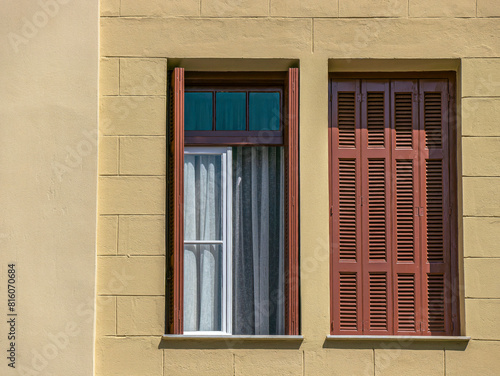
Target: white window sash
[[226, 293]]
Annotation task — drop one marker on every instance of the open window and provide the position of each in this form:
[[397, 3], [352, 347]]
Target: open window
[[233, 204]]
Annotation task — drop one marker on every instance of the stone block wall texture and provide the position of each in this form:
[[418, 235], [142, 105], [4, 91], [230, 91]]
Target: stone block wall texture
[[139, 39]]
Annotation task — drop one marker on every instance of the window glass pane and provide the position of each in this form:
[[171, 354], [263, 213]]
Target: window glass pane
[[264, 111], [202, 197], [230, 111], [198, 111], [258, 240], [202, 287]]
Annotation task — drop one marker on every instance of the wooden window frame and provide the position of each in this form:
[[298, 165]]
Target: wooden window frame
[[454, 312], [177, 139]]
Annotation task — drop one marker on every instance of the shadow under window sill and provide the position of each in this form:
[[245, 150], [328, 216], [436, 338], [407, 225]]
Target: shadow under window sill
[[181, 341], [396, 342]]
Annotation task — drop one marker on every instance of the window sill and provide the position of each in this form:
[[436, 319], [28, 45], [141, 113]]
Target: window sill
[[190, 337], [398, 338]]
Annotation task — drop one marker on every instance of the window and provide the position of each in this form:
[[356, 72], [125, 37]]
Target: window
[[393, 206], [232, 204]]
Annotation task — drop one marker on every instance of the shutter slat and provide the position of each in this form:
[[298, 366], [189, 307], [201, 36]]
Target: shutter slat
[[436, 303], [403, 119], [348, 304], [377, 241], [347, 210], [432, 119], [406, 303], [346, 119], [405, 226], [435, 207], [376, 119], [378, 305]]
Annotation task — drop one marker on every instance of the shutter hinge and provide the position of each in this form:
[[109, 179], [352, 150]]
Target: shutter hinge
[[358, 98], [361, 200], [415, 97], [449, 212], [331, 327], [421, 326], [331, 210]]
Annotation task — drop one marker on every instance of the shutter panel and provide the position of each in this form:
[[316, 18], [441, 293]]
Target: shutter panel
[[375, 202], [405, 185], [175, 194], [292, 207], [345, 224], [391, 263], [435, 201]]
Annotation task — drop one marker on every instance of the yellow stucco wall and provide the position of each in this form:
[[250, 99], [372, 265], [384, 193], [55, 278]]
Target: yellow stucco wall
[[49, 53], [140, 40]]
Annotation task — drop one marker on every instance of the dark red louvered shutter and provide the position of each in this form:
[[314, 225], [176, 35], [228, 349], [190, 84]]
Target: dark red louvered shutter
[[345, 221], [375, 204], [435, 207], [292, 207], [391, 252], [405, 211], [175, 186]]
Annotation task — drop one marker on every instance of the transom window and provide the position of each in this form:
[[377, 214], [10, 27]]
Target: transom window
[[233, 110]]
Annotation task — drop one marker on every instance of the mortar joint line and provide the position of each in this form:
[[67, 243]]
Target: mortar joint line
[[312, 34], [119, 75], [444, 362], [374, 363], [117, 233], [116, 315], [118, 169], [303, 363]]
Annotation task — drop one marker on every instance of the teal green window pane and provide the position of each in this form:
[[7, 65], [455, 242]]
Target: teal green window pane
[[198, 111], [264, 111], [230, 112]]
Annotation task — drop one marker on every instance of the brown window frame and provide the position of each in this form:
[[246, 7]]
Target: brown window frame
[[452, 301], [178, 138]]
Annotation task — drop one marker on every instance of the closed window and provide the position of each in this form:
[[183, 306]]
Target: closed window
[[393, 207], [233, 221]]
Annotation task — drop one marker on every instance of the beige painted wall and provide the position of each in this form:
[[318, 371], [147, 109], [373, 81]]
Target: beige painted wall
[[48, 164], [139, 40]]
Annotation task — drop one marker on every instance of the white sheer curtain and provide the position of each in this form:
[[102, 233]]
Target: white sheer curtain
[[258, 240], [202, 262]]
